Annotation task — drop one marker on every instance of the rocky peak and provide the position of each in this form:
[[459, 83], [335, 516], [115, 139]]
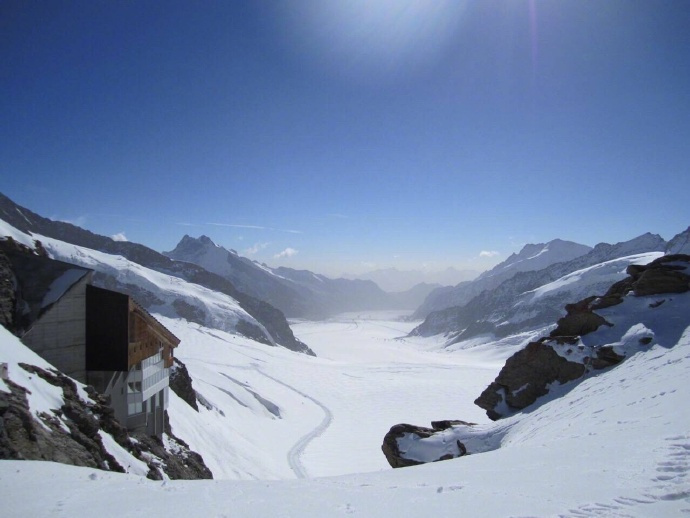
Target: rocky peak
[[538, 256], [679, 244]]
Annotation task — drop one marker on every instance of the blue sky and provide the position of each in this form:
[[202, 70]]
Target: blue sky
[[345, 136]]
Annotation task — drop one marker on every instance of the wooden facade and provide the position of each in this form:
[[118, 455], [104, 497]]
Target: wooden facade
[[147, 335], [120, 333]]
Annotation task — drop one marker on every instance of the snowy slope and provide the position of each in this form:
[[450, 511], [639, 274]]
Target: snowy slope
[[574, 286], [616, 445], [158, 292], [45, 398]]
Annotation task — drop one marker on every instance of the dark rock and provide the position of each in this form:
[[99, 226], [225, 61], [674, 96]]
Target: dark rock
[[447, 423], [605, 357], [181, 383], [655, 281], [525, 377], [579, 320], [8, 284], [663, 275]]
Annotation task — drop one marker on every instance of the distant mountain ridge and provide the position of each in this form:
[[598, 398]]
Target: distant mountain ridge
[[297, 293], [508, 308], [532, 257], [394, 280]]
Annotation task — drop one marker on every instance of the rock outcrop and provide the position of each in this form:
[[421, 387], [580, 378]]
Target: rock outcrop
[[181, 383], [399, 457], [72, 434], [562, 357]]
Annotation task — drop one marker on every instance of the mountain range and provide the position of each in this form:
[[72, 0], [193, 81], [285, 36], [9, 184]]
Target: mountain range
[[132, 257], [394, 280], [530, 299], [297, 293]]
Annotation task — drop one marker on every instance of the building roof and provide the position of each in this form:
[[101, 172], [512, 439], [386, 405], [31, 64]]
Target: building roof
[[41, 281]]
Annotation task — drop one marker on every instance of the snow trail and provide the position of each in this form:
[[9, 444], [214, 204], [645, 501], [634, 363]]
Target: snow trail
[[294, 456]]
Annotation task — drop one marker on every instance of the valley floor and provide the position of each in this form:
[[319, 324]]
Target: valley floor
[[331, 411]]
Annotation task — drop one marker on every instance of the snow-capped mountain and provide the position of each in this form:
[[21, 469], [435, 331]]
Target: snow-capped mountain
[[532, 257], [297, 293], [184, 289], [510, 308], [679, 244], [537, 257]]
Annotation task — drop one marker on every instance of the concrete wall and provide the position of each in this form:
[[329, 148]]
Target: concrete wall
[[59, 336]]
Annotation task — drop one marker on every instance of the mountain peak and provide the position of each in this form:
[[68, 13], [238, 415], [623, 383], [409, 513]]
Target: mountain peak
[[537, 256], [206, 240]]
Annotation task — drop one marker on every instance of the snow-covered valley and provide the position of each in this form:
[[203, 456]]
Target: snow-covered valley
[[616, 445], [307, 417]]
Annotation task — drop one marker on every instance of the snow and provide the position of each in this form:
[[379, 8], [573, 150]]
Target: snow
[[60, 285], [122, 456], [361, 361], [7, 230], [586, 280], [428, 449], [220, 311], [615, 445]]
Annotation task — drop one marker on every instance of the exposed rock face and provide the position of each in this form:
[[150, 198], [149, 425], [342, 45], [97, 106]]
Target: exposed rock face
[[181, 383], [579, 320], [560, 358], [23, 436], [398, 459], [7, 292], [665, 275]]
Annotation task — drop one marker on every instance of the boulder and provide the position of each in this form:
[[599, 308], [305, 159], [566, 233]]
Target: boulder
[[664, 275], [525, 377], [398, 459]]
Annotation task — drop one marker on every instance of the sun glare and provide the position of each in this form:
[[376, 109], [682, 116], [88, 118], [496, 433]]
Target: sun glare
[[375, 37]]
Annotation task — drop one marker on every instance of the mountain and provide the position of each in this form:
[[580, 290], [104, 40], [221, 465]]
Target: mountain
[[680, 244], [247, 276], [532, 257], [297, 293], [525, 301], [33, 227], [394, 280], [536, 257]]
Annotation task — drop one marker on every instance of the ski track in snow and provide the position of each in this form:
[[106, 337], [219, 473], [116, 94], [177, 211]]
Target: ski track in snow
[[294, 456]]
